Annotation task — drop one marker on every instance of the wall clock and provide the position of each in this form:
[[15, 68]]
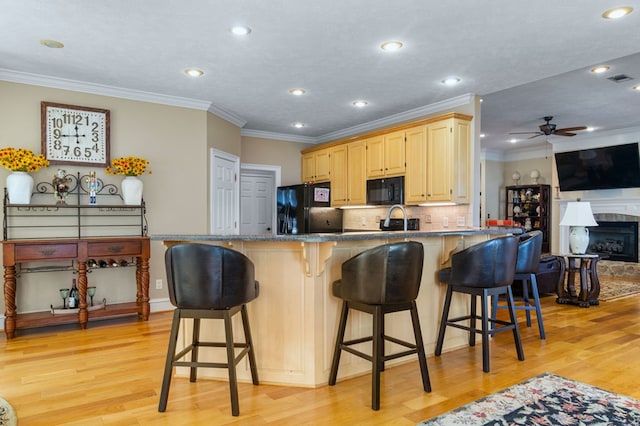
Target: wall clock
[[74, 134]]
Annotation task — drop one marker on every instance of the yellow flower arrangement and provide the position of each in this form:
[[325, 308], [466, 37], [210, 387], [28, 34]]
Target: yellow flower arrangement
[[22, 160], [128, 166]]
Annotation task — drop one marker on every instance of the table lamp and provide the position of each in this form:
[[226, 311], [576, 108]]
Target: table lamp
[[578, 216]]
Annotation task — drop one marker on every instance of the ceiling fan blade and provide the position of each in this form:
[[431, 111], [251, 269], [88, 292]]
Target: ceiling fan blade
[[526, 133], [535, 136], [565, 134], [571, 129]]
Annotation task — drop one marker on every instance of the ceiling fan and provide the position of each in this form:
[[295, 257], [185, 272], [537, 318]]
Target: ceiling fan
[[549, 128]]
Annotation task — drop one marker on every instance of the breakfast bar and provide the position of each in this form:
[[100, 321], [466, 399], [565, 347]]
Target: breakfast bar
[[294, 319]]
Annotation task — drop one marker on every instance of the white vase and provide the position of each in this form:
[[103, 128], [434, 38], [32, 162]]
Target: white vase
[[19, 187], [132, 190]]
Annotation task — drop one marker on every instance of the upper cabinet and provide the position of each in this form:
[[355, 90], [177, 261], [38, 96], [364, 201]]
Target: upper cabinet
[[433, 154], [386, 155], [448, 161], [339, 169], [438, 162], [348, 177], [415, 182], [356, 174], [316, 166]]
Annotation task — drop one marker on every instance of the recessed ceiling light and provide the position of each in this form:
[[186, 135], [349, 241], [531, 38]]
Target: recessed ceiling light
[[298, 125], [391, 46], [297, 92], [360, 104], [240, 30], [590, 129], [193, 72], [54, 44], [513, 140], [617, 12], [482, 135], [451, 81], [636, 87], [600, 69]]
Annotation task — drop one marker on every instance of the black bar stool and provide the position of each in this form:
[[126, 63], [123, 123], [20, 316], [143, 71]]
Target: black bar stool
[[209, 282], [527, 265], [485, 269], [380, 281]]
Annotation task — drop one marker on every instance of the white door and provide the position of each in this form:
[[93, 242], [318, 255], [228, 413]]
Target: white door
[[225, 169], [256, 203]]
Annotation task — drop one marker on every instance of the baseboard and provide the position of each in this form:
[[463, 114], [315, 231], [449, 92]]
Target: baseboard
[[156, 305]]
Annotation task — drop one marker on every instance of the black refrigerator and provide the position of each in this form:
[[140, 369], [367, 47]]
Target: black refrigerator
[[306, 209]]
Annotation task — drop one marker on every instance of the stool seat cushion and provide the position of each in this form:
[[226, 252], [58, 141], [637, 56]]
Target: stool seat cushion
[[388, 274]]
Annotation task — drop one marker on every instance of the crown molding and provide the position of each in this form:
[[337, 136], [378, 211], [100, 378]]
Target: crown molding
[[100, 89], [391, 120], [231, 117], [278, 136]]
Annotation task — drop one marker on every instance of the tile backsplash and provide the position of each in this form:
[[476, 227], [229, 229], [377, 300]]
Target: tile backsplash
[[431, 218]]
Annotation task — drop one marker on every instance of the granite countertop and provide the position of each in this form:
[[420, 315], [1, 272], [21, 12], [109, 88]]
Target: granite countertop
[[344, 236]]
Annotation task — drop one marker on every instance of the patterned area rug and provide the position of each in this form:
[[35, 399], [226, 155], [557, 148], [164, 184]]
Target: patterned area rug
[[615, 288], [546, 399], [7, 414]]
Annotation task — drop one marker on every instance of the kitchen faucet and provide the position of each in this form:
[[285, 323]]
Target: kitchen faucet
[[404, 213]]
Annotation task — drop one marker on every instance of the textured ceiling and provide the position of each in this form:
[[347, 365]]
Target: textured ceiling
[[526, 59]]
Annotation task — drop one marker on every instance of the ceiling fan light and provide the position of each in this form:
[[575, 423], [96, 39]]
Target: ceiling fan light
[[617, 12], [600, 69]]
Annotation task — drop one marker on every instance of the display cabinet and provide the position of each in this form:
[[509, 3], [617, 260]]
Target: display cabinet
[[529, 206], [67, 232]]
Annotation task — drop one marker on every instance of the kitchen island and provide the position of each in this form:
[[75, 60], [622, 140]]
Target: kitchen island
[[294, 319]]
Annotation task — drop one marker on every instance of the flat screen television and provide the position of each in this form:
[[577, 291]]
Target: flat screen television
[[610, 167]]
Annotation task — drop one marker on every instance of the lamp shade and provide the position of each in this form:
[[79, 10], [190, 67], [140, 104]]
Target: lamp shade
[[578, 213]]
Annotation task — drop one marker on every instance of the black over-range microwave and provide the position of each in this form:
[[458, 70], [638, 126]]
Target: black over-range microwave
[[385, 192]]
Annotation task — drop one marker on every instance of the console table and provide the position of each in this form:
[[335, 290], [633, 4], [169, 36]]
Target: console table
[[585, 265], [79, 251]]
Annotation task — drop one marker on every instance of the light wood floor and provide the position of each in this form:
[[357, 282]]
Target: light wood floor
[[110, 374]]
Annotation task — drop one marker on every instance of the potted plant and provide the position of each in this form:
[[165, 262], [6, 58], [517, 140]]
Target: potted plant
[[19, 183], [130, 167]]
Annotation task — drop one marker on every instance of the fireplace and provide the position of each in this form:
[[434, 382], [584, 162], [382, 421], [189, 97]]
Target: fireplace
[[615, 240]]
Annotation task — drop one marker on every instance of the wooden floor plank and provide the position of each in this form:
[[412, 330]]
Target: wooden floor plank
[[110, 374]]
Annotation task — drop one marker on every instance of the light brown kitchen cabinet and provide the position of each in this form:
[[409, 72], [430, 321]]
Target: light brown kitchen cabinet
[[339, 167], [434, 155], [348, 177], [415, 181], [448, 161], [356, 174], [316, 166], [386, 155]]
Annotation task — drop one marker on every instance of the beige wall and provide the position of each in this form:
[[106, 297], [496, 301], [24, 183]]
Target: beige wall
[[493, 186], [175, 140], [223, 136], [275, 153]]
